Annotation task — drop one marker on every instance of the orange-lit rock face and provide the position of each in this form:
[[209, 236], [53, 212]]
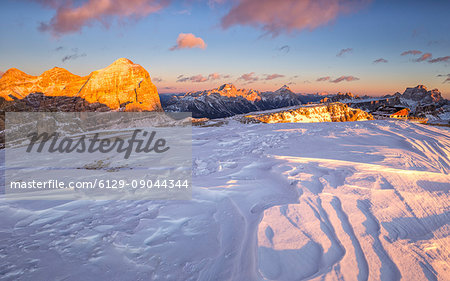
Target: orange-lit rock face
[[229, 90], [122, 84], [333, 112]]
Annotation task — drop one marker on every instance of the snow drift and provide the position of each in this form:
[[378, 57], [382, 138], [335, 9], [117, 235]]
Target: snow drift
[[323, 201]]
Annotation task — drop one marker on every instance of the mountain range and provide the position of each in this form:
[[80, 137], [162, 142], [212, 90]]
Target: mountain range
[[122, 85], [126, 86], [227, 100]]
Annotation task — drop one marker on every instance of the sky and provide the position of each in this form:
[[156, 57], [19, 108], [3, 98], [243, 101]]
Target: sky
[[359, 46]]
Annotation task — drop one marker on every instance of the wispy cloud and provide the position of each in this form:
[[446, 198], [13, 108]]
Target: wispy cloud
[[344, 78], [276, 17], [217, 76], [213, 3], [423, 57], [443, 75], [72, 57], [273, 76], [344, 51], [249, 77], [214, 76], [411, 52], [321, 79], [380, 60], [183, 12], [200, 78], [285, 49], [440, 59], [157, 79], [196, 79], [70, 18], [436, 42], [188, 41]]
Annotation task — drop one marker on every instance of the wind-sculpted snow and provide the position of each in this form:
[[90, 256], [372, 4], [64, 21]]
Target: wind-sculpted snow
[[298, 201]]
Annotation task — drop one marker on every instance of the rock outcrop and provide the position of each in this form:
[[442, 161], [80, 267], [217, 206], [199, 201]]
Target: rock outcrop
[[122, 85], [333, 112]]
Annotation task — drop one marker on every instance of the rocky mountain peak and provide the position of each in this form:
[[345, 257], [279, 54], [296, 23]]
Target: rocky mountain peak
[[121, 84], [14, 73], [227, 87], [421, 94], [58, 73], [284, 88], [120, 61]]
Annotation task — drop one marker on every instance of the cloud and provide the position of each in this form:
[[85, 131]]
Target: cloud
[[436, 42], [196, 79], [249, 77], [411, 52], [214, 76], [423, 57], [188, 40], [70, 18], [380, 60], [213, 3], [157, 79], [284, 49], [440, 59], [344, 51], [443, 75], [326, 78], [200, 78], [183, 12], [72, 57], [273, 76], [276, 17], [344, 78]]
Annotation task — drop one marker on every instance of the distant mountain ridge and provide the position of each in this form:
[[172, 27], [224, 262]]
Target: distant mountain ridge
[[421, 102], [122, 84], [227, 100], [421, 94]]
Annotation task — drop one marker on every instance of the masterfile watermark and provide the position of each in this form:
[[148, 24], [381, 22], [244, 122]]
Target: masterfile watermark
[[141, 141], [90, 155]]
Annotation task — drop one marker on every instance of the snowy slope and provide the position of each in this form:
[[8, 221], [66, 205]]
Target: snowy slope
[[320, 201]]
